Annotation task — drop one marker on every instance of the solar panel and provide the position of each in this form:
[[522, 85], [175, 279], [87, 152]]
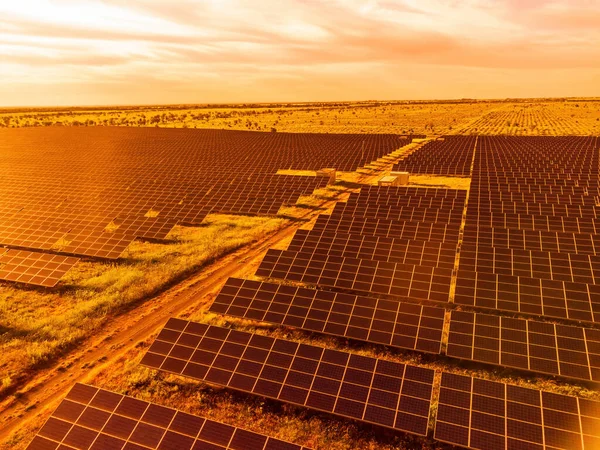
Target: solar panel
[[376, 248], [533, 264], [531, 235], [371, 390], [426, 231], [143, 181], [451, 214], [541, 347], [144, 227], [536, 296], [449, 155], [489, 415], [402, 325], [385, 194], [410, 196], [39, 269], [363, 275], [97, 419], [538, 222], [578, 243]]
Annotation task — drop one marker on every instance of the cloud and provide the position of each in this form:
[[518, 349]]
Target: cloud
[[217, 50]]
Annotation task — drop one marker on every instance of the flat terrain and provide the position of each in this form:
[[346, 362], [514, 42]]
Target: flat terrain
[[48, 343], [522, 118], [97, 324], [539, 119]]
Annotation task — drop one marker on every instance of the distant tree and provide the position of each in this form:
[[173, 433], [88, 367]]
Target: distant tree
[[273, 130]]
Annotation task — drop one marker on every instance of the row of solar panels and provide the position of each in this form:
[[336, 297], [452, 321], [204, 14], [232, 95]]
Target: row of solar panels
[[33, 268], [412, 410], [567, 351], [531, 253], [449, 155], [139, 185], [453, 155], [97, 419], [471, 412]]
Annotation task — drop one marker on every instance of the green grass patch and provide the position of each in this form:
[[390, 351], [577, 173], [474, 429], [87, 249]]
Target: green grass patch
[[38, 325]]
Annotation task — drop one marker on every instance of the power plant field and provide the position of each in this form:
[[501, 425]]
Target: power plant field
[[365, 275]]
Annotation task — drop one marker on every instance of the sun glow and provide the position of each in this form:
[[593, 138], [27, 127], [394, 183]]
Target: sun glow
[[397, 49]]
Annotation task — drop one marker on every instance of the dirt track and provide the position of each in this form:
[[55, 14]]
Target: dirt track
[[43, 392]]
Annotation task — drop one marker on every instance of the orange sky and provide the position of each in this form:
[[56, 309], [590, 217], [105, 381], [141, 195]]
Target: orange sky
[[76, 52]]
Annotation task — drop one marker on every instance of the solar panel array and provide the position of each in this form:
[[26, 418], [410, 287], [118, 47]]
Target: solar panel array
[[91, 191], [372, 390], [531, 229], [386, 322], [33, 268], [542, 347], [378, 248], [489, 415], [449, 155], [378, 241], [97, 419], [529, 246], [471, 412]]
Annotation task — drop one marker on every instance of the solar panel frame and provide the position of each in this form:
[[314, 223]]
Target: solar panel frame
[[98, 419], [40, 269], [375, 391], [550, 298], [385, 322], [361, 275], [490, 415], [541, 347], [182, 175]]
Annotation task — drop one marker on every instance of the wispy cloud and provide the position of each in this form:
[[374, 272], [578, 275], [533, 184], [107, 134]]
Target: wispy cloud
[[145, 51]]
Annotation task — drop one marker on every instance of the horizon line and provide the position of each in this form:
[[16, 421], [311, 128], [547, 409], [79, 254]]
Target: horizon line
[[241, 104]]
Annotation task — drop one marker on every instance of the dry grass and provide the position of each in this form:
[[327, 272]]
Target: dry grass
[[539, 119], [298, 173], [427, 118], [38, 325], [440, 181], [558, 117]]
